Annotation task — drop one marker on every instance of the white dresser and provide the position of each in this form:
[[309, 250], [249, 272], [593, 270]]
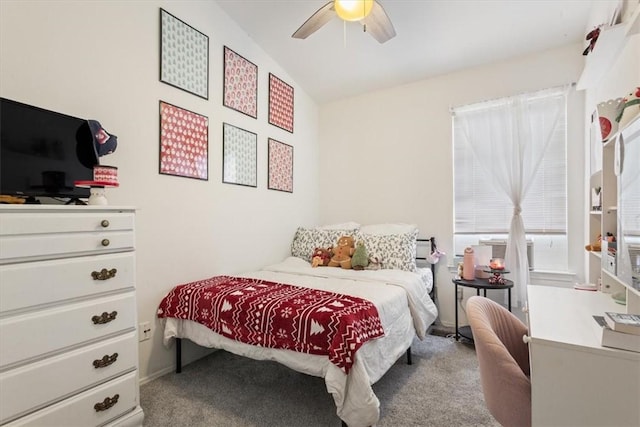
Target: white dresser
[[68, 340], [574, 380]]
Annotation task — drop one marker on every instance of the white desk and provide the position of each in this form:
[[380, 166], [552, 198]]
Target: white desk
[[574, 380]]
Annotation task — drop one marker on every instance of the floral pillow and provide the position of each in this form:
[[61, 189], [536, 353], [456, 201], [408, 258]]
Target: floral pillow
[[395, 251], [306, 240]]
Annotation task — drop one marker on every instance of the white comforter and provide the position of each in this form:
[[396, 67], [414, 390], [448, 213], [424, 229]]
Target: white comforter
[[404, 307]]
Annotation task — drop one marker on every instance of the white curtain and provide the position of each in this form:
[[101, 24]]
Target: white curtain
[[509, 138]]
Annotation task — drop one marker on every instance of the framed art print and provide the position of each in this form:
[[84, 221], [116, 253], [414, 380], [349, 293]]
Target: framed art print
[[280, 104], [184, 142], [184, 56], [240, 90], [239, 156], [280, 166]]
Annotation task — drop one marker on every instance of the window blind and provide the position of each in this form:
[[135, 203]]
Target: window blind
[[480, 209]]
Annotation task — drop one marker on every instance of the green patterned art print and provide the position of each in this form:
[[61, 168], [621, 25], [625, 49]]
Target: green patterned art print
[[240, 156], [184, 56]]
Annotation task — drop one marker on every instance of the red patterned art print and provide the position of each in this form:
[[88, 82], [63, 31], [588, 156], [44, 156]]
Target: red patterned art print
[[280, 103], [240, 84], [280, 166], [184, 140]]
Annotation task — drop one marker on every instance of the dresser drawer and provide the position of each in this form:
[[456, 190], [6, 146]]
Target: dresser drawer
[[80, 410], [32, 284], [44, 246], [35, 335], [39, 384], [22, 223]]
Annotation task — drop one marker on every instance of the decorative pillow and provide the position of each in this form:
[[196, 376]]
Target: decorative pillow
[[395, 251], [306, 240]]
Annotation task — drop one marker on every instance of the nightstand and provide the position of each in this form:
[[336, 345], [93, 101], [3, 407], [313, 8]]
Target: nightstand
[[478, 284]]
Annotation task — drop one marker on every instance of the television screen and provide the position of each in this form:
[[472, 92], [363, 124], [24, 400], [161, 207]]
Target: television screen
[[42, 152]]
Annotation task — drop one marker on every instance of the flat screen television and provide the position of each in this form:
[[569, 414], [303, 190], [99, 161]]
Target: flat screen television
[[42, 152]]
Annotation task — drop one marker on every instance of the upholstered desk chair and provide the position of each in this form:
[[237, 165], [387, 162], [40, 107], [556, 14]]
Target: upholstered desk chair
[[503, 359]]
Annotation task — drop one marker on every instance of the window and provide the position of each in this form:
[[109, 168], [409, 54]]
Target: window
[[482, 208]]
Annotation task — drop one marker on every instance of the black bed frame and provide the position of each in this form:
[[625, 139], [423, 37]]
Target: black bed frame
[[432, 294]]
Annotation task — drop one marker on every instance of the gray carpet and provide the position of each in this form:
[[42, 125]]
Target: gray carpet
[[441, 388]]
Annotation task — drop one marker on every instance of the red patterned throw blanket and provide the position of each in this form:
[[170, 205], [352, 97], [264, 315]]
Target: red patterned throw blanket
[[276, 315]]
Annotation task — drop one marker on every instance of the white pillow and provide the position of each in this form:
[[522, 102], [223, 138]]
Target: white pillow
[[386, 229], [394, 251]]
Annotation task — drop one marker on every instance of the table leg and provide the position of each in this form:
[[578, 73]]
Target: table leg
[[509, 289], [485, 292], [456, 302]]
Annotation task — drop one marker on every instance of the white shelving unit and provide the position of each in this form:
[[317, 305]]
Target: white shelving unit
[[606, 221], [610, 42]]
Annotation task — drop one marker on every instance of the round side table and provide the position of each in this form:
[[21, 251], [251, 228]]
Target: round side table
[[478, 284]]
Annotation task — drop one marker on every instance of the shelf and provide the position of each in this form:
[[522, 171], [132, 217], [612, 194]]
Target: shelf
[[610, 42], [595, 212], [596, 254]]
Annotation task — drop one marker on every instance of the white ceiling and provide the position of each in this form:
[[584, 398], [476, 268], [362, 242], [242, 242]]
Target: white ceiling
[[434, 37]]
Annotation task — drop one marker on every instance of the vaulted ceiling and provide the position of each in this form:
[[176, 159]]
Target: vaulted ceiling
[[434, 37]]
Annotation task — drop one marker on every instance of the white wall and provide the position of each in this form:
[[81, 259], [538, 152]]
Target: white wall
[[100, 60], [387, 156]]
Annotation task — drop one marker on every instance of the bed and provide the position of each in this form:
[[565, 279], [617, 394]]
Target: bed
[[404, 309]]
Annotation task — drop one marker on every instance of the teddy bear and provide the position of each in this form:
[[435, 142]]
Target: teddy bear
[[342, 253], [321, 257]]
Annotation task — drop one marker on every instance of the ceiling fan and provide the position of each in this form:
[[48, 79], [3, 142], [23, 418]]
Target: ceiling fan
[[368, 12]]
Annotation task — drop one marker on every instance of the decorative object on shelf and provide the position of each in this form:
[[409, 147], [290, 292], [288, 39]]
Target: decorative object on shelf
[[103, 142], [596, 199], [607, 113], [496, 264], [468, 264], [240, 84], [106, 174], [630, 108], [103, 176], [592, 37], [184, 142], [239, 156], [280, 166], [97, 194], [595, 246], [280, 104], [184, 56], [498, 276]]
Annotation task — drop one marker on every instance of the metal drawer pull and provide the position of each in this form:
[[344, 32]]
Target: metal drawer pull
[[104, 318], [104, 274], [105, 361], [104, 223], [105, 242], [107, 403]]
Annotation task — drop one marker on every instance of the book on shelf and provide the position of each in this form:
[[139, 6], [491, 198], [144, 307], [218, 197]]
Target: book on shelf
[[622, 322], [621, 340]]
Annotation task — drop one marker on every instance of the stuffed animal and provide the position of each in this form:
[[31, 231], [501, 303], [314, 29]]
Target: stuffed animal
[[595, 246], [375, 263], [342, 253], [321, 257], [360, 258], [630, 107]]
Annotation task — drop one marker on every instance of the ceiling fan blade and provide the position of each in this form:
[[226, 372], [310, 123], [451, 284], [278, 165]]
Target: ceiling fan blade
[[315, 22], [378, 24]]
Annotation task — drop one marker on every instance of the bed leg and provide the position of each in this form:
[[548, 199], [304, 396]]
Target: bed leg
[[409, 361], [178, 355]]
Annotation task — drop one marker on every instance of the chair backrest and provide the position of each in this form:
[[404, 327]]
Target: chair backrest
[[503, 359]]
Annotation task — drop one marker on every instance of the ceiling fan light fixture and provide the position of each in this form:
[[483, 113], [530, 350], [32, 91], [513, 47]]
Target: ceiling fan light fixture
[[353, 10]]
